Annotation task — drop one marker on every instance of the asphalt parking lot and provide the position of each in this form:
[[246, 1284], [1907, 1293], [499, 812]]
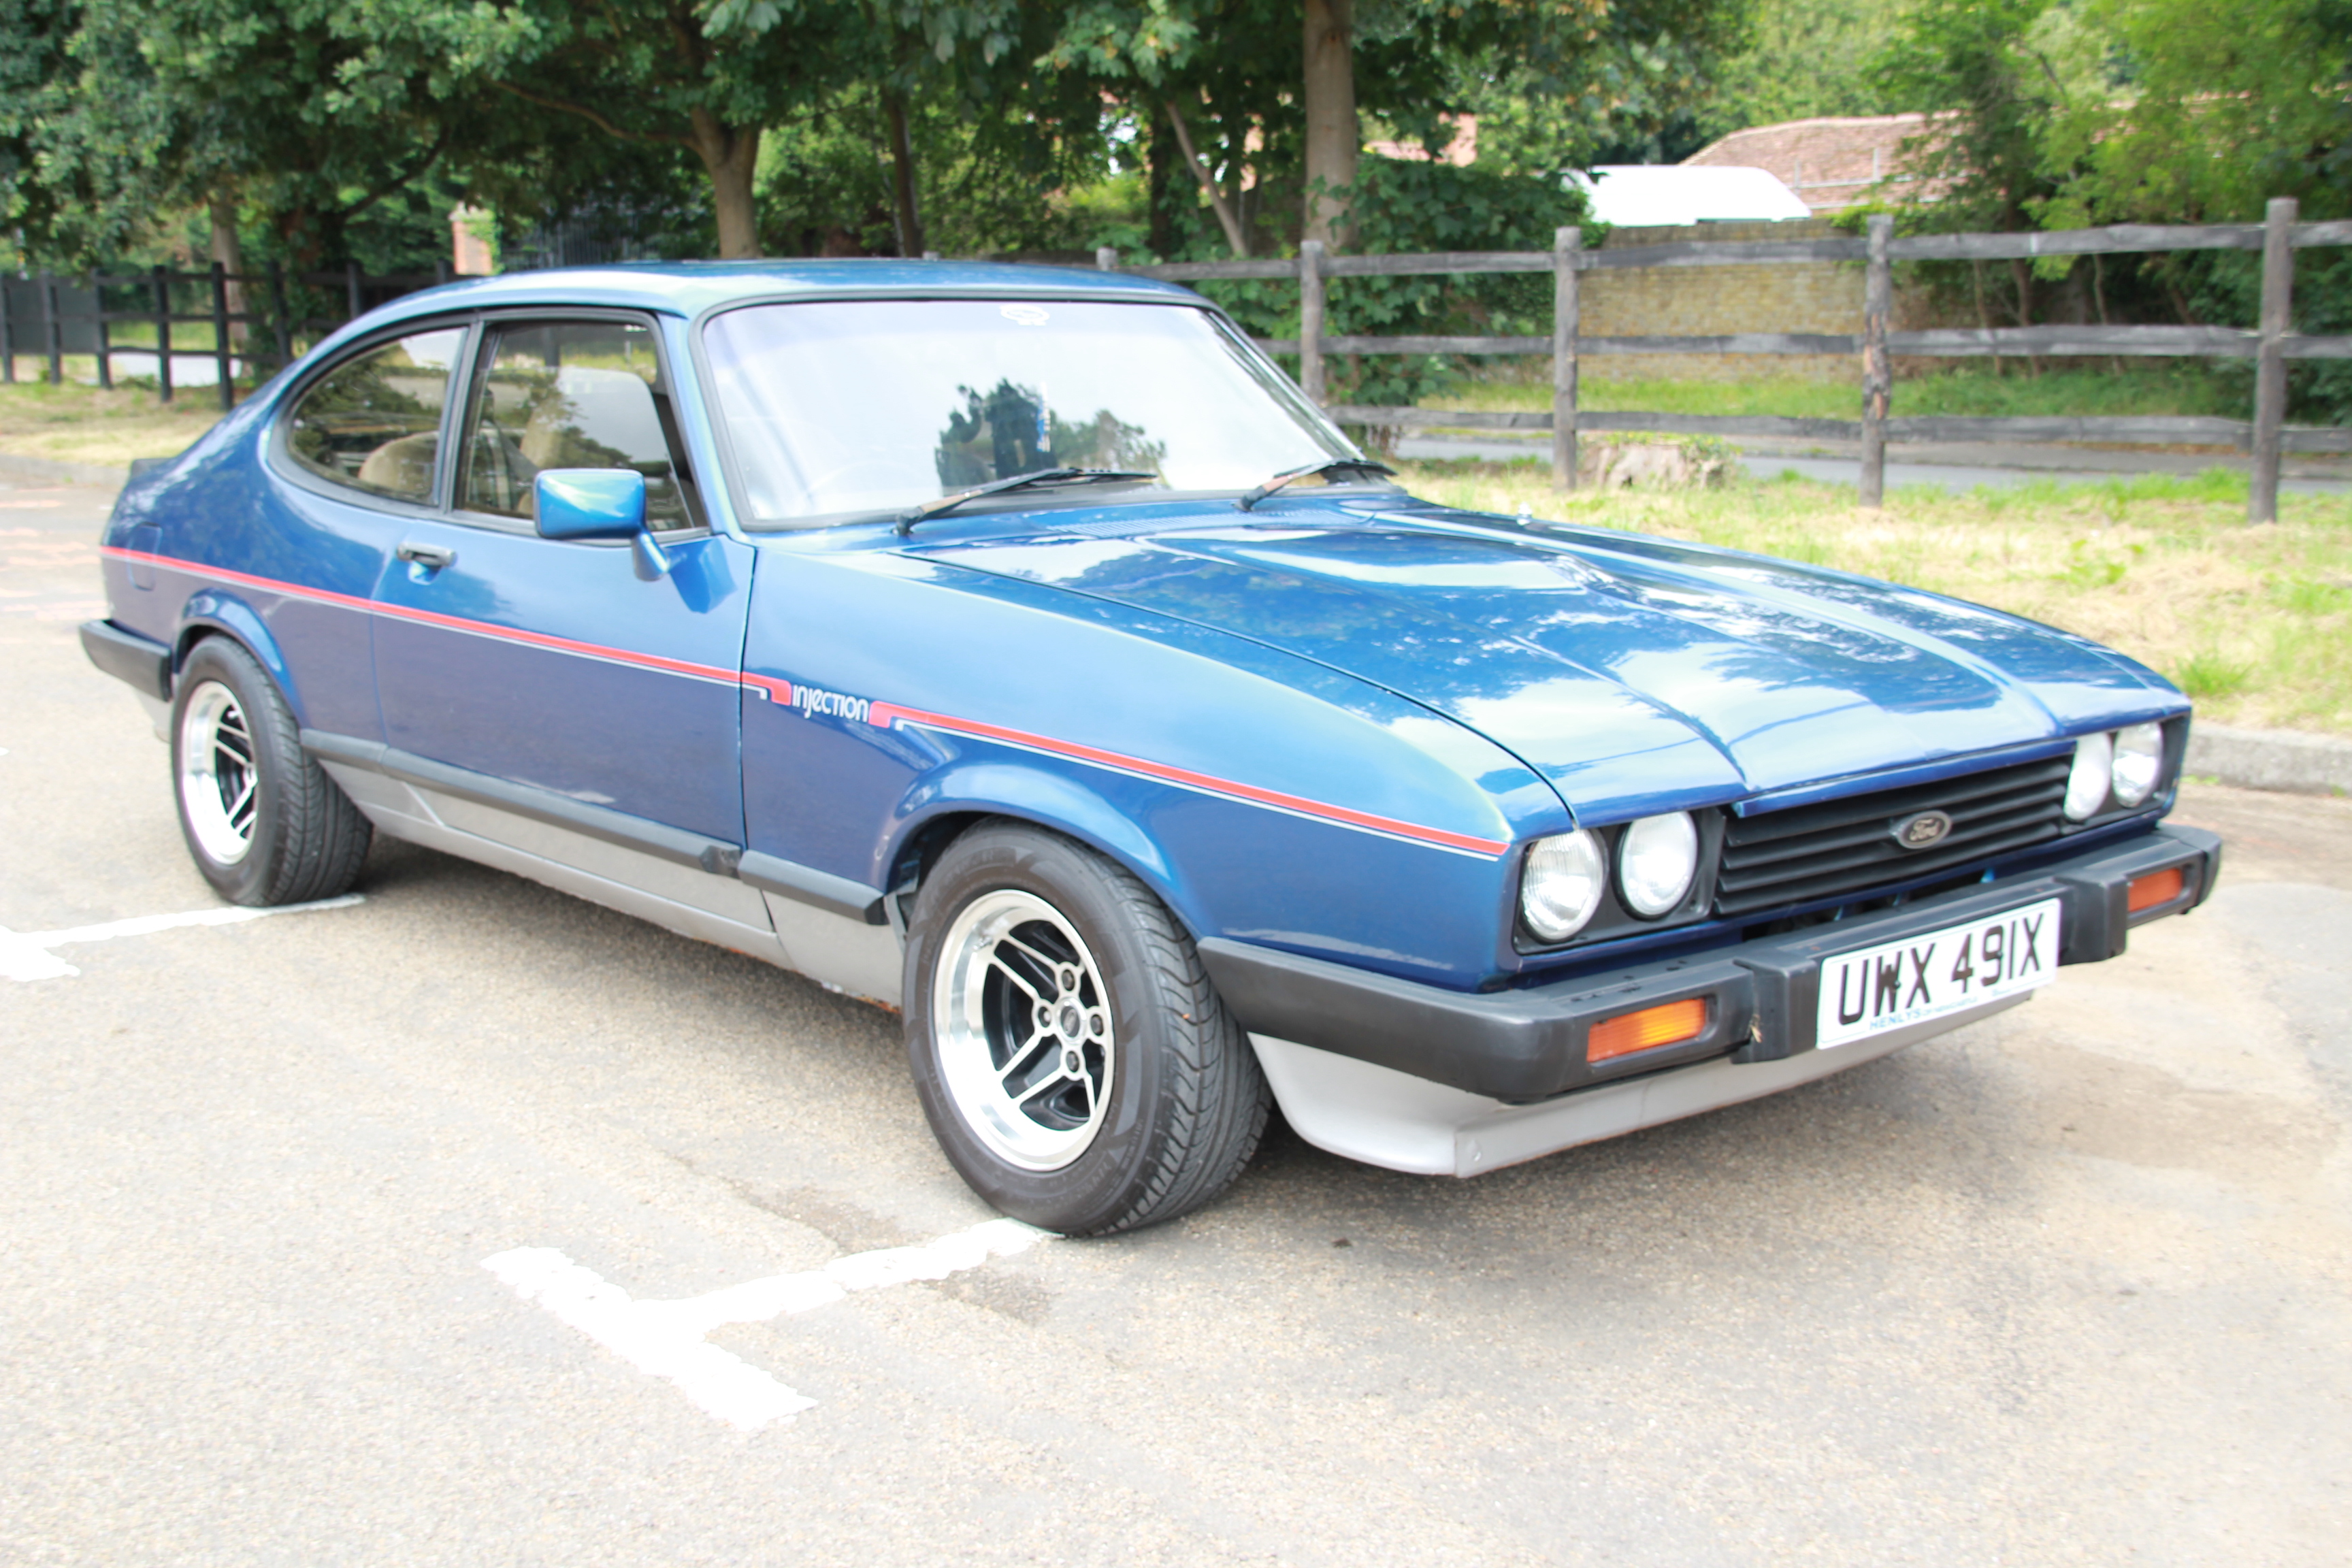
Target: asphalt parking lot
[[328, 1237]]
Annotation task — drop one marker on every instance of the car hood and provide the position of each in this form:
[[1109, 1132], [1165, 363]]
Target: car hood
[[1636, 674]]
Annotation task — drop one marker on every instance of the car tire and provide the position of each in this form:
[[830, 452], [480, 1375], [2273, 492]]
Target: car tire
[[263, 822], [1034, 962]]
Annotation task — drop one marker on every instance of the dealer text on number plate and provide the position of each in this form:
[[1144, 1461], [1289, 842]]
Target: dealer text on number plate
[[1929, 976]]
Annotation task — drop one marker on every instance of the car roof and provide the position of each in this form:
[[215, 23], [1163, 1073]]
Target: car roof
[[690, 288]]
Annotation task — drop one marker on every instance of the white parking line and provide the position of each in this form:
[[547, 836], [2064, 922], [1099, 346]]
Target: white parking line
[[666, 1338], [26, 955]]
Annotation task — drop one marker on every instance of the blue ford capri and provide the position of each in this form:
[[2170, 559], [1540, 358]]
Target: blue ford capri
[[1019, 649]]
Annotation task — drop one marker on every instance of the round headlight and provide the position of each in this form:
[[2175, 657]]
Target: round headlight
[[2086, 785], [2139, 760], [1655, 862], [1561, 885]]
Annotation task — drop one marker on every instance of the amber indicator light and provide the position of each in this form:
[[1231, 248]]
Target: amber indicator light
[[1667, 1024], [2159, 888]]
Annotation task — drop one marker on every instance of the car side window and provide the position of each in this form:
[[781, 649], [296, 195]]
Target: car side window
[[569, 394], [373, 422]]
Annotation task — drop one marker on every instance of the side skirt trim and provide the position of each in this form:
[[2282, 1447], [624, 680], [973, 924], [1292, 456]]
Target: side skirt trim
[[397, 813], [806, 885], [673, 844], [765, 873]]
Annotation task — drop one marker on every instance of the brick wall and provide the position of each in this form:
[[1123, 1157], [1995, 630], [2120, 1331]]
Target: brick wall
[[1679, 301]]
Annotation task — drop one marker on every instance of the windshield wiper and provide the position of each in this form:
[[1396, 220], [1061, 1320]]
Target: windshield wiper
[[1305, 470], [931, 509]]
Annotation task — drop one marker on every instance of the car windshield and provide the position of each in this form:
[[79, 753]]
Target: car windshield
[[843, 408]]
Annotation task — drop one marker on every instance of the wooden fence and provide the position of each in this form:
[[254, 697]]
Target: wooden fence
[[58, 324], [272, 333], [2270, 345]]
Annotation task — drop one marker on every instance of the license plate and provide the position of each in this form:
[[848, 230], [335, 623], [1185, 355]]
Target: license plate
[[1927, 976]]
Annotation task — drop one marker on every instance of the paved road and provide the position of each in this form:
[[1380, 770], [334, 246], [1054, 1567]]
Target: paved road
[[2071, 1286]]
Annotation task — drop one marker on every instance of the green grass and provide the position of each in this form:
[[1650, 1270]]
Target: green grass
[[1965, 390], [2253, 623], [2206, 674], [78, 423]]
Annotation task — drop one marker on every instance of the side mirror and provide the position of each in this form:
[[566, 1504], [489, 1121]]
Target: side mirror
[[598, 503], [590, 503]]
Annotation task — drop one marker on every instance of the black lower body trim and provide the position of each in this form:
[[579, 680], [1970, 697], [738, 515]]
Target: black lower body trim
[[143, 663], [768, 873], [806, 885], [1762, 995], [658, 839]]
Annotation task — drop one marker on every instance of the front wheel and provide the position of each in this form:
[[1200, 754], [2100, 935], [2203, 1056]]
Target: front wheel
[[1074, 1061], [263, 822]]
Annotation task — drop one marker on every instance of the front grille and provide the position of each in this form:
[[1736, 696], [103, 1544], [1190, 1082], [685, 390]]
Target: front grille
[[1839, 846]]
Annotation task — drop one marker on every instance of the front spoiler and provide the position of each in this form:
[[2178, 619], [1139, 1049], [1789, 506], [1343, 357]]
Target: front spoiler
[[1405, 1123], [1417, 1078]]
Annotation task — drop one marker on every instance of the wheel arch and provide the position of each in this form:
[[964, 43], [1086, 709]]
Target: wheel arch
[[949, 803], [212, 613]]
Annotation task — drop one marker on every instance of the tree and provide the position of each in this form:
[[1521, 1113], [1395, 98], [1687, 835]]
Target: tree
[[1804, 58], [1253, 122], [1334, 135], [1219, 75], [953, 135], [73, 163], [2217, 106], [293, 109], [2064, 114], [658, 73]]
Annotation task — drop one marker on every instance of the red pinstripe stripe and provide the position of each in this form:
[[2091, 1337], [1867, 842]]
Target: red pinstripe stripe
[[887, 713], [882, 714], [777, 691]]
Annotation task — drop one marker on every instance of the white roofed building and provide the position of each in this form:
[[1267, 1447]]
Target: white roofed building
[[1676, 195]]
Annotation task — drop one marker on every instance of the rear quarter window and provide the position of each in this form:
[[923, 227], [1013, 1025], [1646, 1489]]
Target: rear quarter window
[[373, 422]]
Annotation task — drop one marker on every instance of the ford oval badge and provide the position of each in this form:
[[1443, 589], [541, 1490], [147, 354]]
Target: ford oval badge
[[1929, 828]]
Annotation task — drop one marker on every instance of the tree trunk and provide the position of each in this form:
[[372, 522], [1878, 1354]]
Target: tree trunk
[[732, 154], [222, 207], [2021, 273], [1158, 169], [1227, 218], [906, 216], [1333, 137]]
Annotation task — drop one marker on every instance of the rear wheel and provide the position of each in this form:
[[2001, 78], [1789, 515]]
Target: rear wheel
[[263, 823], [1074, 1061]]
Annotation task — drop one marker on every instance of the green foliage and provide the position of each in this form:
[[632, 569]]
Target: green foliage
[[1804, 58], [1565, 86], [1552, 84], [2230, 103], [335, 132], [2223, 104], [997, 139], [1402, 209], [1979, 61], [2065, 113]]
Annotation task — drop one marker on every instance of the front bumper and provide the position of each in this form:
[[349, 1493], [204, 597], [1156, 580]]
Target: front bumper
[[1415, 1078]]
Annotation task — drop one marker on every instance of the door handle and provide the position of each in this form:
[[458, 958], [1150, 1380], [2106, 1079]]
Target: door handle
[[433, 555]]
